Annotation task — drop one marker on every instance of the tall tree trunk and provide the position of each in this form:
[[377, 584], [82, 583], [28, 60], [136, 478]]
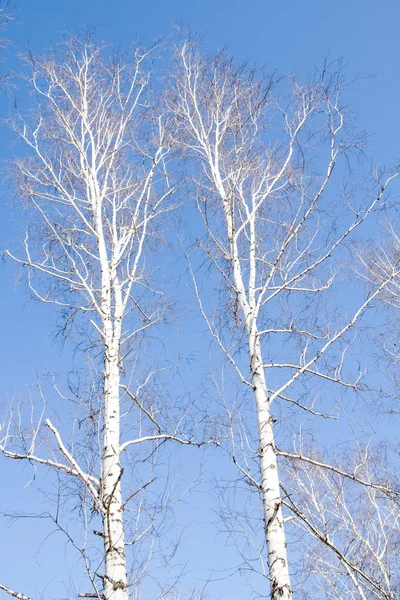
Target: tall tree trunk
[[115, 578], [270, 489], [272, 501]]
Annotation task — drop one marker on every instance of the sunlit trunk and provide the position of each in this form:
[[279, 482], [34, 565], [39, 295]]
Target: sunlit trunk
[[270, 489], [115, 579]]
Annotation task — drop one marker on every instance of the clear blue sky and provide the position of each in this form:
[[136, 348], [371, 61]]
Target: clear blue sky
[[291, 36]]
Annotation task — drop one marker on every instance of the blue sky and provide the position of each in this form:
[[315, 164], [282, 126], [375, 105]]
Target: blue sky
[[290, 36]]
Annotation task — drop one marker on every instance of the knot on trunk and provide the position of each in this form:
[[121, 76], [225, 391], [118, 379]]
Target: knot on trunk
[[118, 585], [279, 591]]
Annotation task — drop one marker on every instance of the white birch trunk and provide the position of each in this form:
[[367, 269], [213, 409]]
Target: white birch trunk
[[270, 489], [271, 496], [115, 575], [114, 543], [115, 578]]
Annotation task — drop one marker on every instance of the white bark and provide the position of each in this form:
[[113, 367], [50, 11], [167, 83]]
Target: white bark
[[13, 593], [95, 183], [115, 577], [270, 485], [269, 477], [261, 207]]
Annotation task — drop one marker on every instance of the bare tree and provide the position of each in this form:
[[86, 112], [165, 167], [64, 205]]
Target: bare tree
[[349, 518], [95, 184], [263, 154], [374, 263]]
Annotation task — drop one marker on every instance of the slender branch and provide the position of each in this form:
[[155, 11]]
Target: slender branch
[[167, 436], [386, 490], [14, 593], [88, 480]]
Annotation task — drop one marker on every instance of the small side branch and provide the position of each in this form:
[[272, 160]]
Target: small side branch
[[84, 477], [140, 405], [166, 436], [14, 593]]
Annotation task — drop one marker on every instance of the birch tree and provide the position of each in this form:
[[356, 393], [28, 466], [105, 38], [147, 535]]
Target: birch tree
[[95, 183], [263, 153], [348, 516]]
